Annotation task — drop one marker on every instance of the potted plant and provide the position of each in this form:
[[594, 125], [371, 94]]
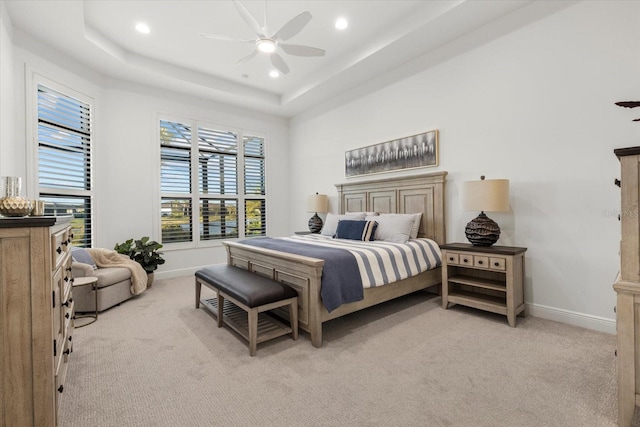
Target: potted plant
[[144, 252]]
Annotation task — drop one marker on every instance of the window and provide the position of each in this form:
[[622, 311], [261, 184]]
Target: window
[[212, 186], [64, 159]]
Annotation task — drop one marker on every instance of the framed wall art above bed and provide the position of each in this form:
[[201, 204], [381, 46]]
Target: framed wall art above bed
[[415, 151]]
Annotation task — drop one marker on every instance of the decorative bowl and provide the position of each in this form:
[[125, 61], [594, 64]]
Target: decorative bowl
[[15, 206]]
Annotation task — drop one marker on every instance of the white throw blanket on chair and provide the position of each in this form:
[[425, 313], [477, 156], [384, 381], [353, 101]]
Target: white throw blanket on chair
[[111, 258]]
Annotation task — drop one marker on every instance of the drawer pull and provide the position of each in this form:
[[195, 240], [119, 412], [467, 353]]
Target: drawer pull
[[69, 240], [67, 351], [66, 315], [59, 250], [68, 269], [480, 262], [69, 301], [70, 337], [64, 242], [465, 260], [66, 278], [450, 258], [496, 264], [617, 182], [60, 389]]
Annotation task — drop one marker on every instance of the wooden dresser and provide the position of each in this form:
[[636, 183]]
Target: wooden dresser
[[627, 287], [36, 318]]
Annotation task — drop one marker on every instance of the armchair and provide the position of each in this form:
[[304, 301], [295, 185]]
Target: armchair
[[114, 283]]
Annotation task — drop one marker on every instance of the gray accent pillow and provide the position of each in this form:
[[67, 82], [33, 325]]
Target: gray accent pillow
[[83, 256], [393, 228]]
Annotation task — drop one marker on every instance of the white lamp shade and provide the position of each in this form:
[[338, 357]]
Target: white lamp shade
[[488, 195], [317, 203]]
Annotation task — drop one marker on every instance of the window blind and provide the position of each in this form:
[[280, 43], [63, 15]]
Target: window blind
[[64, 159], [224, 196]]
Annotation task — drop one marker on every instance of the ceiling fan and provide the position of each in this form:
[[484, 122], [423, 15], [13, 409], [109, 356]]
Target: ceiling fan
[[267, 42]]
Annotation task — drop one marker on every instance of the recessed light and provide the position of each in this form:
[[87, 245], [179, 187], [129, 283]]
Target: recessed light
[[341, 23], [274, 74], [143, 28]]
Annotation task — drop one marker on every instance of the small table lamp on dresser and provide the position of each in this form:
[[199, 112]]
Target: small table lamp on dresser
[[317, 203], [486, 195]]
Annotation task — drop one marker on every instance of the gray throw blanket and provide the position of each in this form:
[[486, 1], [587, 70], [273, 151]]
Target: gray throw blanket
[[341, 282]]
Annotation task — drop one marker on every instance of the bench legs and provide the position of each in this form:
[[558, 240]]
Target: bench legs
[[253, 313]]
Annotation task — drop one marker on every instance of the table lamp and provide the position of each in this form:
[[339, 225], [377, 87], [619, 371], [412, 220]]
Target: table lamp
[[316, 203], [486, 195]]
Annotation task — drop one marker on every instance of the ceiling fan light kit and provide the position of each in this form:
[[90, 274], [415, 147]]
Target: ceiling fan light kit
[[266, 45], [270, 44]]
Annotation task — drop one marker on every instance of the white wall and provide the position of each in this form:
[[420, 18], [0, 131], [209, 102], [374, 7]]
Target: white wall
[[535, 106], [129, 164], [7, 124], [126, 151]]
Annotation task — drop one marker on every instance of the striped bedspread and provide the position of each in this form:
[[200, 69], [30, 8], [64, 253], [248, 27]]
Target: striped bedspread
[[379, 262]]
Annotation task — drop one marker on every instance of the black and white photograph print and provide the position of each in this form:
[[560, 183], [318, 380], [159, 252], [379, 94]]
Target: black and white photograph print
[[417, 151]]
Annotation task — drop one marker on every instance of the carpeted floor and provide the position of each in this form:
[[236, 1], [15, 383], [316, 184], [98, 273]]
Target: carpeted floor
[[157, 361]]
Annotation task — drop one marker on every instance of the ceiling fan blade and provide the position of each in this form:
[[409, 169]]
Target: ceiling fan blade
[[297, 50], [279, 63], [293, 27], [248, 18], [225, 38], [247, 58]]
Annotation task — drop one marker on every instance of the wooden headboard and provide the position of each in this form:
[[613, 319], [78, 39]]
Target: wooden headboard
[[409, 194]]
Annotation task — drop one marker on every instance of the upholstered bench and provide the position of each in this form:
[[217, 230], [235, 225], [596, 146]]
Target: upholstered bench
[[252, 293]]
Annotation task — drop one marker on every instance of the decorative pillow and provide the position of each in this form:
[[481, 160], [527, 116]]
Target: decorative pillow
[[356, 230], [393, 228], [417, 218], [83, 256], [331, 222]]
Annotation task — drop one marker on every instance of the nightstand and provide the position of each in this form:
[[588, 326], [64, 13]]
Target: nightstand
[[487, 278]]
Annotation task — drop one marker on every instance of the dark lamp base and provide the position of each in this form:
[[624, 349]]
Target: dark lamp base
[[315, 223], [482, 231]]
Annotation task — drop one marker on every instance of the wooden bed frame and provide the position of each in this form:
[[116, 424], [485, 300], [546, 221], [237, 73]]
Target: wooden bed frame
[[411, 194]]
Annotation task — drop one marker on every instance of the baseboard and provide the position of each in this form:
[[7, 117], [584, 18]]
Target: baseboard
[[587, 321], [177, 273]]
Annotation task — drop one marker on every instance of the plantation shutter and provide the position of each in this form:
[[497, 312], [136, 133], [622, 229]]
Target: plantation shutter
[[254, 186], [64, 159], [175, 182]]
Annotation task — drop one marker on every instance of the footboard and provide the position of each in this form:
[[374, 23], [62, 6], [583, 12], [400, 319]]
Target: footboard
[[300, 272]]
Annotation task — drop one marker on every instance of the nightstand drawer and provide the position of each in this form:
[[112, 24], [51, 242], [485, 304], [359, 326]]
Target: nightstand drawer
[[480, 261], [452, 258], [497, 264], [465, 259]]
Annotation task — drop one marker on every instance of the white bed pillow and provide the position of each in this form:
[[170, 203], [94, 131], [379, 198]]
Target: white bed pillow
[[359, 213], [393, 228], [417, 218], [331, 222]]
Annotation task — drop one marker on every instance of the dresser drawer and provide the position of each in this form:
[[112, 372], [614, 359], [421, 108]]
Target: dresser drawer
[[60, 243]]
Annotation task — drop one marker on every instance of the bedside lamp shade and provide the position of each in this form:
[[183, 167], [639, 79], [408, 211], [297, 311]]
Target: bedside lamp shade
[[316, 203], [490, 195]]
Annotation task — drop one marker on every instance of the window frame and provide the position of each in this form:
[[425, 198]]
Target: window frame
[[33, 189], [240, 197]]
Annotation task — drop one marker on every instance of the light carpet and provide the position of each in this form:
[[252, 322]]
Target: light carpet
[[155, 360]]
